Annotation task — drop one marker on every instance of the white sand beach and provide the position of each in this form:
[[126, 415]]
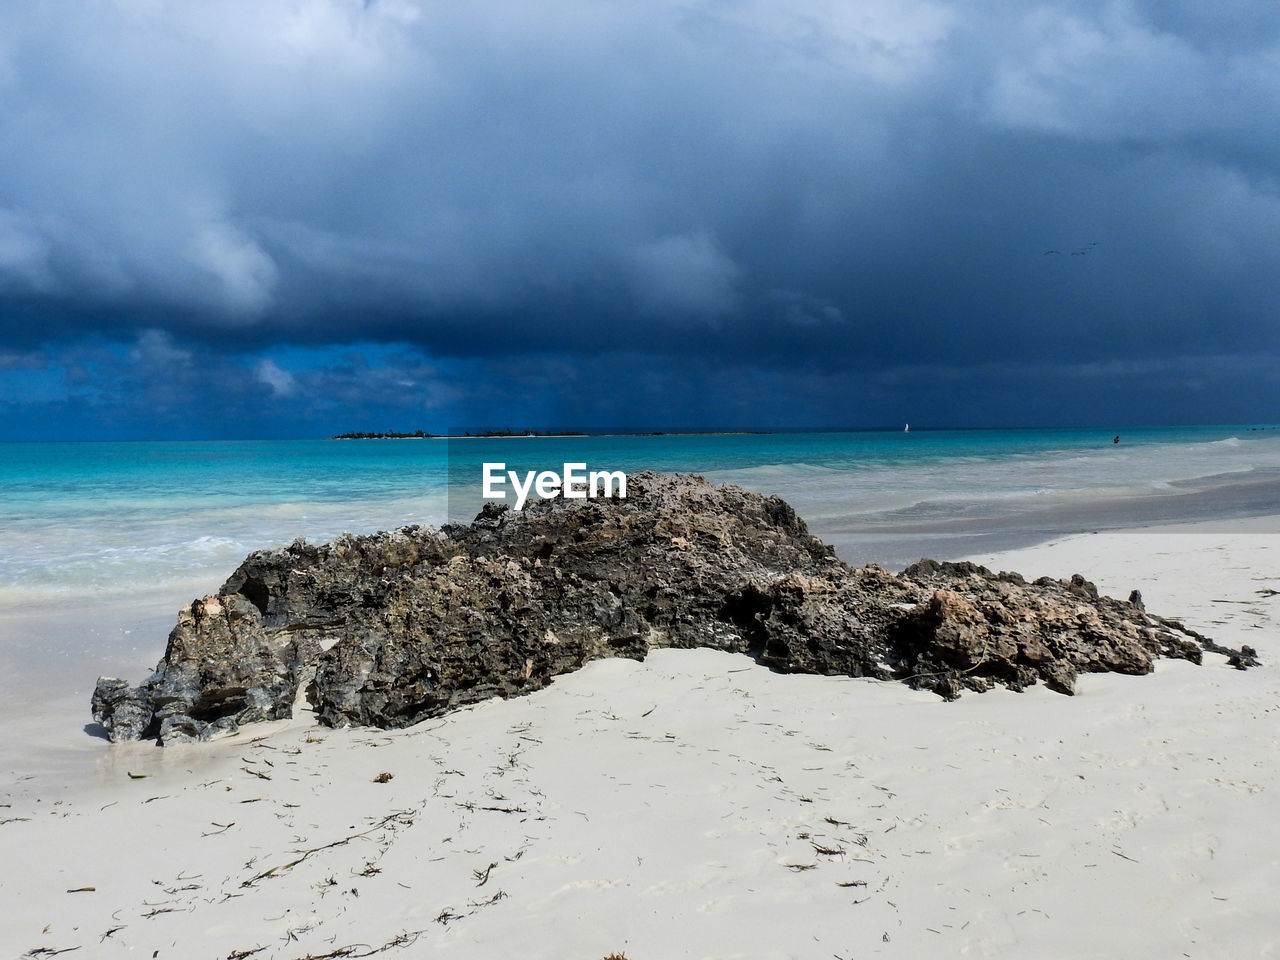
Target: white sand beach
[[699, 806]]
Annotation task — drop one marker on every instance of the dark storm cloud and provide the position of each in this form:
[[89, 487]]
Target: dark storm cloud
[[796, 189]]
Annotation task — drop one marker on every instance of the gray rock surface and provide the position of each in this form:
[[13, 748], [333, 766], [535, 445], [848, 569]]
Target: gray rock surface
[[393, 628]]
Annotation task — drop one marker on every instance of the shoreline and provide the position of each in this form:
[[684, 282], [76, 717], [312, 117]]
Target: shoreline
[[1227, 502], [126, 635], [668, 799], [568, 436]]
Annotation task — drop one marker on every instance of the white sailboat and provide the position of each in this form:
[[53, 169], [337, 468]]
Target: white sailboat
[[906, 428]]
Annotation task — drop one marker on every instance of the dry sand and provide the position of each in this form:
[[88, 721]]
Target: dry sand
[[699, 806]]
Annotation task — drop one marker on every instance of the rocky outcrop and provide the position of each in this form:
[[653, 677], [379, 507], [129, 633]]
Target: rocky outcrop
[[393, 628]]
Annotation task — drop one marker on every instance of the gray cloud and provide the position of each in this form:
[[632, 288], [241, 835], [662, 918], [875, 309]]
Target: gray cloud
[[802, 187]]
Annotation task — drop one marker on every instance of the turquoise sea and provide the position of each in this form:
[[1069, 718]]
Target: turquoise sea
[[85, 519], [103, 542]]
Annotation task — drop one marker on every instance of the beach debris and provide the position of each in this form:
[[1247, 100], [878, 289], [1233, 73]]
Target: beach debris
[[390, 629], [391, 822], [406, 939]]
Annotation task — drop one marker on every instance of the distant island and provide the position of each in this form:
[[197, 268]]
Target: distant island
[[423, 435], [392, 435]]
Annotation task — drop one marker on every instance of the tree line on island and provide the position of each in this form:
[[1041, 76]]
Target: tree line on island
[[529, 432], [422, 434]]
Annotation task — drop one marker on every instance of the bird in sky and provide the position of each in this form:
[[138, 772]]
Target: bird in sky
[[1078, 252]]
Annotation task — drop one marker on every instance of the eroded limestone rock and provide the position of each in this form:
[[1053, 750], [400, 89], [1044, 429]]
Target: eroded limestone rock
[[393, 628]]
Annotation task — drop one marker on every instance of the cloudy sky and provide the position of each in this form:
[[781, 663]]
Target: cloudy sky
[[295, 217]]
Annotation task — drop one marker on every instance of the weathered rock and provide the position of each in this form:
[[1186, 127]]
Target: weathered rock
[[221, 668], [392, 628], [124, 711]]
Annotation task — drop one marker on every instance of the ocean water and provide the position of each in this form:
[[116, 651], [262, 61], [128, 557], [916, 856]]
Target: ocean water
[[103, 542], [96, 519]]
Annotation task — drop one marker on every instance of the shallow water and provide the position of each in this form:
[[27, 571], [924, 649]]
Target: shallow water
[[102, 542], [86, 520]]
